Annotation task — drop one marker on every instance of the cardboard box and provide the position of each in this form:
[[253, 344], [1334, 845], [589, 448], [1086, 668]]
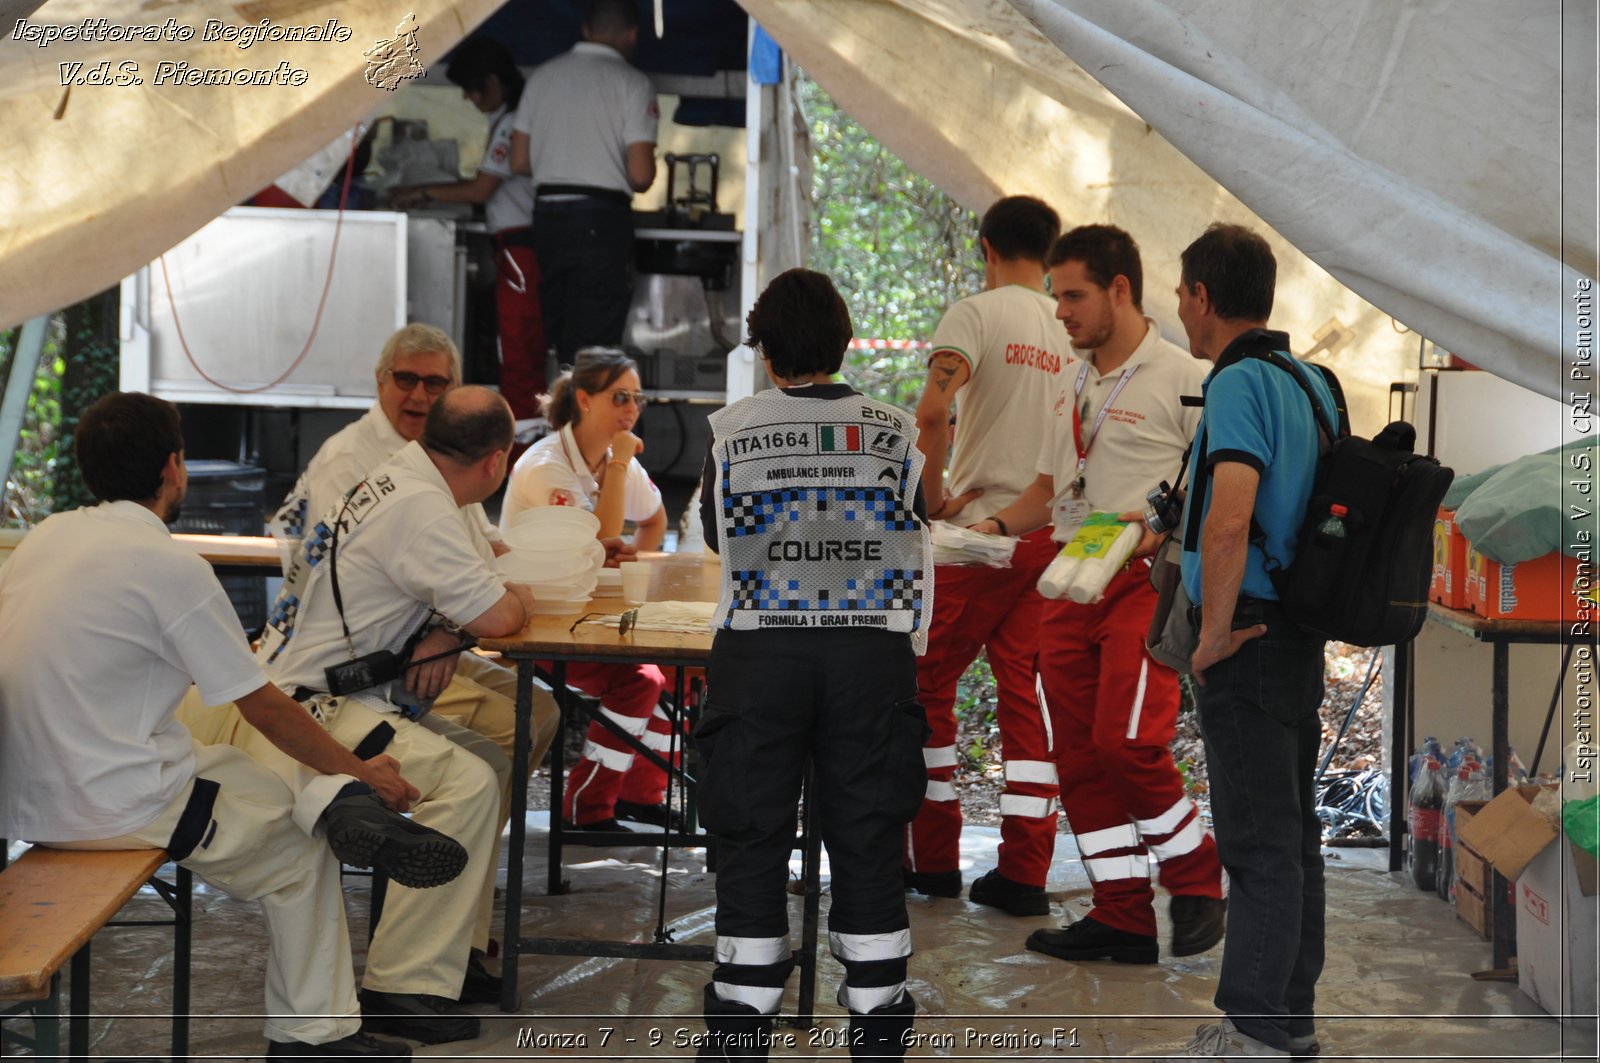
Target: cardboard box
[[1528, 590], [1448, 585], [1556, 932], [1556, 899]]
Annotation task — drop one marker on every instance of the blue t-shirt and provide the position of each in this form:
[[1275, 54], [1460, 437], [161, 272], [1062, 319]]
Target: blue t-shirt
[[1257, 415]]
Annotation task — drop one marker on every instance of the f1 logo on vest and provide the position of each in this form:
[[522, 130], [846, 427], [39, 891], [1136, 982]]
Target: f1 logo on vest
[[885, 442]]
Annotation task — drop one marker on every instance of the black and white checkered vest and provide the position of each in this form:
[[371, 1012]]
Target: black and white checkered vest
[[813, 500]]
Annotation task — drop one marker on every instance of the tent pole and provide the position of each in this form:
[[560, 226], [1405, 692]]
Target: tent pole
[[14, 406]]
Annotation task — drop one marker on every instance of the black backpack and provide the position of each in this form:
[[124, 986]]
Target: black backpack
[[1368, 587]]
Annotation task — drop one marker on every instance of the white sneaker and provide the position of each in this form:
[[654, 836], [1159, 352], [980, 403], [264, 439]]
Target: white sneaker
[[1223, 1039]]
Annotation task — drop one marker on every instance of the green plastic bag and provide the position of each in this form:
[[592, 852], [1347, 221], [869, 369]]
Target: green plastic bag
[[1582, 820]]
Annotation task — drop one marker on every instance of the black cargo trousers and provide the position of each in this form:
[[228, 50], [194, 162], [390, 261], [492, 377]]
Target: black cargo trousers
[[845, 701]]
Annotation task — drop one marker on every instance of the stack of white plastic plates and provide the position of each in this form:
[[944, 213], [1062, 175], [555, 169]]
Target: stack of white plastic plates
[[555, 552]]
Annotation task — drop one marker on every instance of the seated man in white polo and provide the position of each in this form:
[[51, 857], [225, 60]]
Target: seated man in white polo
[[417, 365], [372, 607], [104, 623]]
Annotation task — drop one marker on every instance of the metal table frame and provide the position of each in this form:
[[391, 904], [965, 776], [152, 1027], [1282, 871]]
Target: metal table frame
[[513, 944]]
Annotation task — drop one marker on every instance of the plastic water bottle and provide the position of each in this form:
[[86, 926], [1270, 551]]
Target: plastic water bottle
[[1333, 527]]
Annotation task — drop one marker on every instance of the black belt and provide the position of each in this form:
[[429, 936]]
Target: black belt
[[606, 195], [522, 236], [1247, 612]]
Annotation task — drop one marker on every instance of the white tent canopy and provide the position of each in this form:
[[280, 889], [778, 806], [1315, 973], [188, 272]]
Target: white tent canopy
[[1435, 156], [1422, 165]]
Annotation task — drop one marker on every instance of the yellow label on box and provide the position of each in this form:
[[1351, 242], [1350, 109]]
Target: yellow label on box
[[1095, 537]]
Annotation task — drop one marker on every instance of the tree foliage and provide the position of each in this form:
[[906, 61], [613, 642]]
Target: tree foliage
[[899, 249]]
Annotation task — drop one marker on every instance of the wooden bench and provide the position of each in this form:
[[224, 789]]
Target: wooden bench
[[52, 902]]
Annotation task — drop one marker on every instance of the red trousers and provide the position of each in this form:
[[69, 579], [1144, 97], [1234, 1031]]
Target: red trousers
[[1114, 711], [976, 607], [523, 347], [610, 770]]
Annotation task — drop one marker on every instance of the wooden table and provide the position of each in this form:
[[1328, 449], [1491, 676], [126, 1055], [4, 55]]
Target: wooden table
[[236, 555], [674, 577]]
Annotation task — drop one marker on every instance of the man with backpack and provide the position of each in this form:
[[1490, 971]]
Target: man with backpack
[[1260, 676]]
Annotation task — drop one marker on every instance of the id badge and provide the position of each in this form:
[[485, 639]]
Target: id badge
[[1070, 513]]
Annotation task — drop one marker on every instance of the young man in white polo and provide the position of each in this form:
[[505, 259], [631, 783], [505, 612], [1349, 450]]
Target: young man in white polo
[[1117, 426]]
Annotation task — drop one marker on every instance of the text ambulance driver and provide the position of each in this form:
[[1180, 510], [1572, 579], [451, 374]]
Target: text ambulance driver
[[1261, 676], [104, 623], [996, 358], [814, 661], [393, 561], [417, 365], [1118, 425], [591, 462]]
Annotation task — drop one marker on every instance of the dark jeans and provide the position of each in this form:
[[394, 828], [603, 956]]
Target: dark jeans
[[1258, 715], [585, 252]]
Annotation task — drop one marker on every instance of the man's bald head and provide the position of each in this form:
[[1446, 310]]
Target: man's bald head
[[467, 424]]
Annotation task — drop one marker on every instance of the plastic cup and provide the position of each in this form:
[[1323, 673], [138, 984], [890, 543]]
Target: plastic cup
[[635, 582]]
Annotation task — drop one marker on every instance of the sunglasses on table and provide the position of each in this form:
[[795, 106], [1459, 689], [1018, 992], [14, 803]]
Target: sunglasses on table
[[434, 385], [622, 398]]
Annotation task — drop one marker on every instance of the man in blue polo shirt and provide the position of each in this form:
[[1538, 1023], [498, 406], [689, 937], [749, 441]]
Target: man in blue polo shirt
[[1260, 676]]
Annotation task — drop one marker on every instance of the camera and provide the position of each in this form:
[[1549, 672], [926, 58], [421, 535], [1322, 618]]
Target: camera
[[363, 673], [1163, 508]]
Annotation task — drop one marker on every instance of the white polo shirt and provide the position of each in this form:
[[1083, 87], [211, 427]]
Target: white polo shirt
[[104, 623], [1145, 429], [580, 111], [511, 205], [1015, 351], [346, 459], [553, 473], [403, 550]]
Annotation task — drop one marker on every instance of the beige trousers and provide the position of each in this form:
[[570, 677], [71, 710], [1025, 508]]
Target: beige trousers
[[254, 851]]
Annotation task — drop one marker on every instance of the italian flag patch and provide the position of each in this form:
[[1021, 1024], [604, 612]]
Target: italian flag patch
[[841, 437]]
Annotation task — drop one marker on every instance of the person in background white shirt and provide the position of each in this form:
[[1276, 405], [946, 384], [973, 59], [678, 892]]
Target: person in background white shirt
[[104, 623], [591, 461], [489, 79]]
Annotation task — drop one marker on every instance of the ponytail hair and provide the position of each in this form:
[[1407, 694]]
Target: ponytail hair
[[594, 370]]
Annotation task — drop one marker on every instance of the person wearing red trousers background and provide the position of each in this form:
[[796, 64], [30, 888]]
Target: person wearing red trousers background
[[491, 82], [996, 357], [1117, 425]]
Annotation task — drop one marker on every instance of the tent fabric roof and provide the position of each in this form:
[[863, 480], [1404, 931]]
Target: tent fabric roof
[[1435, 156]]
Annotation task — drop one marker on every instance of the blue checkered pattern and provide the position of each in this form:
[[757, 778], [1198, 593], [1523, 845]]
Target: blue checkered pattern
[[290, 520], [895, 588], [757, 512]]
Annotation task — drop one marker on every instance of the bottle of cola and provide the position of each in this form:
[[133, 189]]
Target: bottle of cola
[[1427, 798]]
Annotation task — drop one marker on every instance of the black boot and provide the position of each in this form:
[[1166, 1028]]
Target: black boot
[[883, 1032], [737, 1031]]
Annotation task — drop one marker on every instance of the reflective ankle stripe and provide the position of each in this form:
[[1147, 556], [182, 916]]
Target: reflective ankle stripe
[[862, 999], [1185, 841], [752, 952], [939, 756], [939, 790], [1166, 822], [1111, 868], [1031, 771], [764, 999], [614, 759], [1026, 807], [866, 948]]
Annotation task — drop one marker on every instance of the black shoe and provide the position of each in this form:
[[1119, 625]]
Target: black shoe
[[1197, 923], [356, 1046], [610, 826], [661, 815], [479, 986], [1090, 939], [1008, 894], [933, 883], [364, 832], [416, 1017]]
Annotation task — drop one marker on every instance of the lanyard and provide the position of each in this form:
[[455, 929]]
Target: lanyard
[[1084, 445]]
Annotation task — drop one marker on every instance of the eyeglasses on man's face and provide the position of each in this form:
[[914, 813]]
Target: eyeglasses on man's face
[[623, 397], [434, 385]]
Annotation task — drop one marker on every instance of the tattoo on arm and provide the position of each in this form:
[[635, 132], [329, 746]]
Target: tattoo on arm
[[943, 370]]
